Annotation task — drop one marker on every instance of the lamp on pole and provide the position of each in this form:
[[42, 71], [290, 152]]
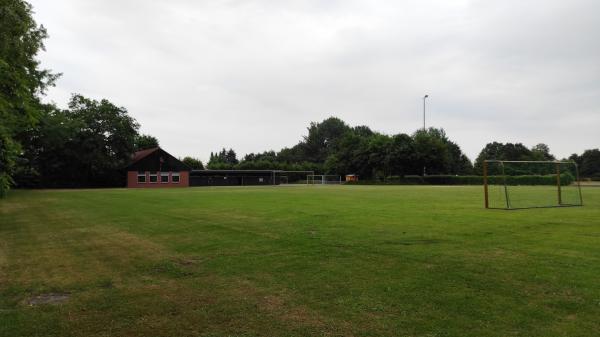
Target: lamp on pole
[[424, 97]]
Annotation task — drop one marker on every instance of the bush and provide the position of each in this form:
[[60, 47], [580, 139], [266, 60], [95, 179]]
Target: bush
[[565, 179]]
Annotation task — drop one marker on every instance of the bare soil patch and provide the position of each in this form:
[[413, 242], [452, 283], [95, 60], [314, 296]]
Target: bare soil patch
[[50, 298]]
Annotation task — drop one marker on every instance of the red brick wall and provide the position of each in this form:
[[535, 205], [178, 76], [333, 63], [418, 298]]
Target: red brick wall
[[184, 180]]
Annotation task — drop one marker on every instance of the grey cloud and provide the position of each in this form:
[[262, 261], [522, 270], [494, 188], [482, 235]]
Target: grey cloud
[[251, 75]]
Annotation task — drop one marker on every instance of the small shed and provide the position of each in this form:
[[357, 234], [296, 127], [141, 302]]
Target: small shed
[[351, 177]]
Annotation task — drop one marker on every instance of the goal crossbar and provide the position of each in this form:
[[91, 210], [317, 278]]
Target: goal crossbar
[[323, 179]]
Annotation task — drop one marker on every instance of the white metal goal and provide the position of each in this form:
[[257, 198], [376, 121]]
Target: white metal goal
[[323, 179]]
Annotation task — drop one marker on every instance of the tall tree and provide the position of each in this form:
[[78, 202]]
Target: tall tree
[[225, 159], [231, 157], [402, 155], [541, 152], [322, 139], [49, 156], [105, 144], [590, 163], [22, 81], [145, 142], [193, 163], [508, 151], [88, 144], [431, 151]]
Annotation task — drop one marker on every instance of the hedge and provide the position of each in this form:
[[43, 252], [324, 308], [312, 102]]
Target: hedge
[[565, 179]]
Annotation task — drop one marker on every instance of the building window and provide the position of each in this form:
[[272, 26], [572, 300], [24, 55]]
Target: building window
[[164, 177], [153, 177], [141, 177], [175, 177]]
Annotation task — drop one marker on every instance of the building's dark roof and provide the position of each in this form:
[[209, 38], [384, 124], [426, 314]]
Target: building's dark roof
[[156, 159], [138, 155], [232, 172]]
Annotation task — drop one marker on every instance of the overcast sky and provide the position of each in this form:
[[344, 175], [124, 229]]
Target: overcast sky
[[251, 75]]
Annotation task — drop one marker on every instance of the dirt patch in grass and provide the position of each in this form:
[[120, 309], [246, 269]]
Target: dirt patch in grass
[[50, 298], [280, 306]]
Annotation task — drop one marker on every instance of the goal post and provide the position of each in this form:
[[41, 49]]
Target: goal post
[[511, 184], [323, 179], [292, 177]]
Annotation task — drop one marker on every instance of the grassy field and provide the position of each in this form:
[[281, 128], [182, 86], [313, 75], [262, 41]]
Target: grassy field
[[295, 261]]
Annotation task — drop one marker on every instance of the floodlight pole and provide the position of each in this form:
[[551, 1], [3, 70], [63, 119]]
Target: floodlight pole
[[424, 130], [424, 97]]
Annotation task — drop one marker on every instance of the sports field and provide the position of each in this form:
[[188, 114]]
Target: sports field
[[295, 261]]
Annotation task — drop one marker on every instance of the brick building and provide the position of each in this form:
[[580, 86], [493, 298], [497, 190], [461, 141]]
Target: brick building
[[155, 168]]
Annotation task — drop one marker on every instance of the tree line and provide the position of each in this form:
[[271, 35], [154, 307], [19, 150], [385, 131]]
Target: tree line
[[333, 147]]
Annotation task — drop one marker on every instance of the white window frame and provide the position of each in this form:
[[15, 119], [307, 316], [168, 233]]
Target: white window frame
[[173, 175], [141, 174], [155, 175], [164, 174]]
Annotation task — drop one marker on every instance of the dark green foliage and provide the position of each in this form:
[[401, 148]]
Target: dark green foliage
[[333, 147], [8, 150], [541, 152], [439, 155], [509, 151], [525, 180], [87, 145], [265, 156], [193, 163], [21, 81], [142, 142], [323, 139], [224, 160], [590, 163]]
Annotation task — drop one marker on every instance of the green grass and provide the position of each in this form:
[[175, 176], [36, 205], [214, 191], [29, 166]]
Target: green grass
[[296, 261]]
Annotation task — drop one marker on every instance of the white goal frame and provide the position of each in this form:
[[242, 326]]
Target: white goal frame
[[323, 179]]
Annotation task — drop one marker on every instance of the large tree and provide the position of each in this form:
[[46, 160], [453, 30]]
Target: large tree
[[145, 142], [323, 138], [22, 81], [193, 163], [431, 151], [508, 151], [88, 144], [106, 141], [590, 163], [225, 159], [335, 148], [541, 152], [402, 155]]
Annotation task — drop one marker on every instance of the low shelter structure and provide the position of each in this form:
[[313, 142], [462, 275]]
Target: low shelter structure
[[156, 168]]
